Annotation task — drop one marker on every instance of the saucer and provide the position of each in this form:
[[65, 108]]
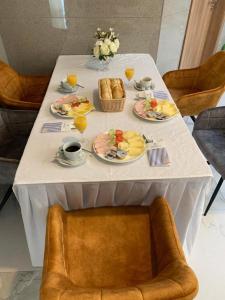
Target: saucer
[[65, 91], [139, 88], [60, 158]]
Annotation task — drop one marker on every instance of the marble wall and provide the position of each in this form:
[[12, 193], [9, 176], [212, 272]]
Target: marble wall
[[33, 33]]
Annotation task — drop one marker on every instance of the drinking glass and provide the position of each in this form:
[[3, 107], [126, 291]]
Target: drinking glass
[[80, 122], [129, 73], [72, 79]]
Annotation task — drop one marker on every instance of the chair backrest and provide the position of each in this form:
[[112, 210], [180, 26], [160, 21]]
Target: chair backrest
[[212, 72], [5, 135], [15, 123], [10, 85]]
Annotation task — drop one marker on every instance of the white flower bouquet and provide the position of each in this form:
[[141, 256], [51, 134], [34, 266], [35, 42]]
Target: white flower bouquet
[[107, 44]]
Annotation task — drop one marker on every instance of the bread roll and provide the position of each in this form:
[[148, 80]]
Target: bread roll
[[106, 89], [111, 89], [115, 83], [106, 96], [117, 92]]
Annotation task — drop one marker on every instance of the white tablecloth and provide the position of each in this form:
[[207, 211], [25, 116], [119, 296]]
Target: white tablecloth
[[40, 182]]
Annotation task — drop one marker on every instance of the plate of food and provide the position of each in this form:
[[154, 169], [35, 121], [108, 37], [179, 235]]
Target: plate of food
[[118, 146], [155, 110], [72, 105]]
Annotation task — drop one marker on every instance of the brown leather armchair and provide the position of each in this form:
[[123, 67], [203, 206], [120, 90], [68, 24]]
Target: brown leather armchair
[[115, 253], [195, 90], [21, 92]]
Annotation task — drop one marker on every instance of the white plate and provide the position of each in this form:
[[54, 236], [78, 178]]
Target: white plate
[[128, 159], [63, 100], [60, 158], [152, 119]]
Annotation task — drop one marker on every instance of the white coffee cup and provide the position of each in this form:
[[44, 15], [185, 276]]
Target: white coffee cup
[[146, 82], [72, 150]]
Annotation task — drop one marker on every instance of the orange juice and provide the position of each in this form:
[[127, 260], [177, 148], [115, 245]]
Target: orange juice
[[80, 123], [72, 79], [129, 72]]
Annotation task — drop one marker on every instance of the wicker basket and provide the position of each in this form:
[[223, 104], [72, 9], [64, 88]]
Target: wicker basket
[[112, 105]]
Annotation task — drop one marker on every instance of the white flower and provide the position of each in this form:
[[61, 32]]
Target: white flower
[[117, 43], [104, 49], [113, 47], [96, 51], [107, 42], [98, 43], [111, 29], [98, 29]]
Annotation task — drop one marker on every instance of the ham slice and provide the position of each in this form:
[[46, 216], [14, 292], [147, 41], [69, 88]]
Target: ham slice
[[102, 143], [139, 108]]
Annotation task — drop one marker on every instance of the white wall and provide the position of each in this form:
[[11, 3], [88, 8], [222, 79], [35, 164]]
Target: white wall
[[221, 41], [3, 55], [174, 20]]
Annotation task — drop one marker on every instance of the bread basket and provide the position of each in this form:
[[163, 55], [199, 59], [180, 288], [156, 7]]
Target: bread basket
[[112, 105]]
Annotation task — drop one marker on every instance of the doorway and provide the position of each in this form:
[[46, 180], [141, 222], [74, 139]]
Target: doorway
[[205, 21]]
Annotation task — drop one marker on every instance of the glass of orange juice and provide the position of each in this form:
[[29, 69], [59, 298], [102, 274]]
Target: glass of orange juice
[[72, 79], [80, 122], [129, 73]]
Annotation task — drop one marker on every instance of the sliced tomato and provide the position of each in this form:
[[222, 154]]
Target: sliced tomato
[[154, 103], [75, 104], [119, 139]]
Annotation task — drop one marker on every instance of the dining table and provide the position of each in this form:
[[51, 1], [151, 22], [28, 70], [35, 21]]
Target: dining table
[[41, 181]]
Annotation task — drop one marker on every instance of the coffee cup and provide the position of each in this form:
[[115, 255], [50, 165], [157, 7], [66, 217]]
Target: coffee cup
[[146, 82], [66, 86], [72, 150]]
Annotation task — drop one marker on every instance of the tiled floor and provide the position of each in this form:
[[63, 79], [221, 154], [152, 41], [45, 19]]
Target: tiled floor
[[19, 281]]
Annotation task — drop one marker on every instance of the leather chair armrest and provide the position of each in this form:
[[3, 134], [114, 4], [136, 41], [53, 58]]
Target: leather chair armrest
[[194, 104], [180, 79], [166, 243], [54, 260], [213, 118]]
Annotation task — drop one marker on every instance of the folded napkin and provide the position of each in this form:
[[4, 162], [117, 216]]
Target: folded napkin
[[158, 157], [56, 127], [160, 94]]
